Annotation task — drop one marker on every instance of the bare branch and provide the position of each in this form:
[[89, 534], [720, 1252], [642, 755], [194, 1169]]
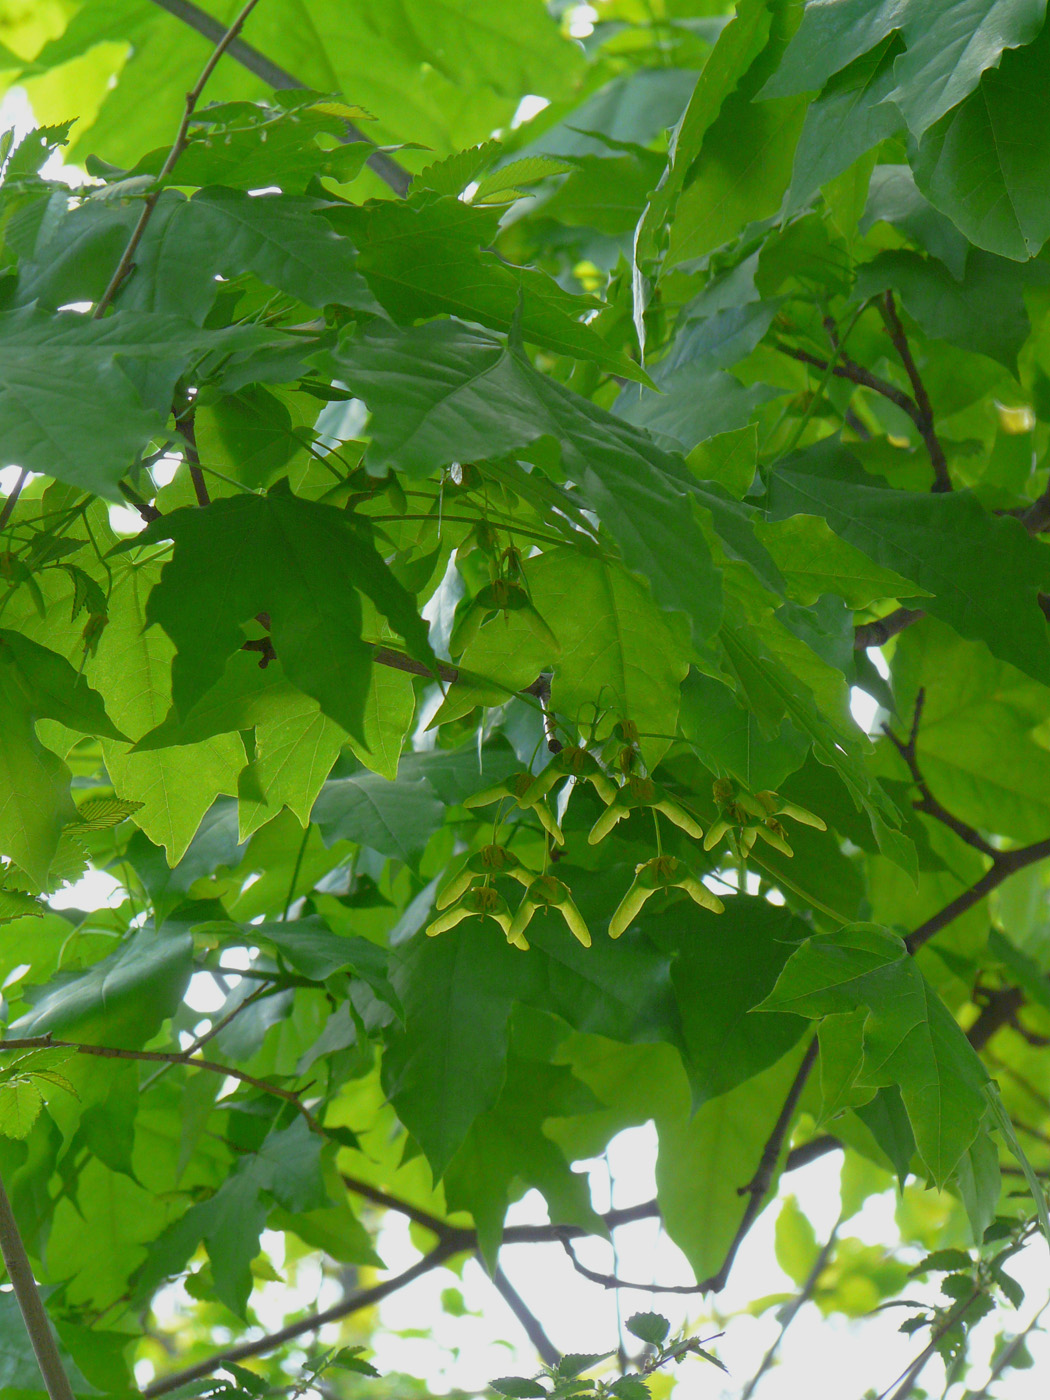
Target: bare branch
[[442, 1228], [793, 1310], [856, 374], [908, 1378], [457, 1241], [1005, 864], [355, 1302], [185, 425], [611, 1280]]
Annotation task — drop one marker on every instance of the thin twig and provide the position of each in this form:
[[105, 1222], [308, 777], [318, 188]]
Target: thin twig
[[182, 1057], [759, 1184], [220, 1025], [178, 146], [548, 1353], [1036, 517], [1006, 863], [457, 1241], [416, 1214], [793, 1310], [942, 480], [612, 1281], [465, 1236], [185, 425], [856, 374], [148, 511], [31, 1305], [356, 1302], [1007, 1355], [908, 1378], [280, 80], [878, 633], [927, 802], [13, 495]]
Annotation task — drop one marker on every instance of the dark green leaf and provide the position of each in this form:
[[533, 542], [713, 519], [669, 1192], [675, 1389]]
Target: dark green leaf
[[649, 1327], [301, 563]]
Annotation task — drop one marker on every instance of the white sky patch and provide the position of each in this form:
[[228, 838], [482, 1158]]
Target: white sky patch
[[125, 521], [530, 106], [96, 889]]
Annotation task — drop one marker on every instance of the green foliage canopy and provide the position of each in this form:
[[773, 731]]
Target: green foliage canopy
[[455, 484]]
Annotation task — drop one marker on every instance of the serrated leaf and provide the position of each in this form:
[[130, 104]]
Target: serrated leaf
[[20, 1106], [942, 1260], [519, 1387], [708, 1356], [506, 183], [649, 1327], [630, 1388], [101, 813], [14, 904], [573, 1363]]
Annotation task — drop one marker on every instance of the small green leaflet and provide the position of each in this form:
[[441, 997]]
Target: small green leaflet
[[649, 1327], [23, 1082], [100, 813]]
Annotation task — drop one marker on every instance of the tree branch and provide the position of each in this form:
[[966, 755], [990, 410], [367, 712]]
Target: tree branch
[[611, 1280], [123, 267], [759, 1184], [924, 422], [878, 633], [911, 1375], [548, 1353], [856, 373], [998, 1011], [457, 1241], [928, 803], [184, 1057], [794, 1308], [356, 1302], [442, 1228], [186, 427], [1004, 864], [1007, 1355], [279, 79], [13, 495], [31, 1305]]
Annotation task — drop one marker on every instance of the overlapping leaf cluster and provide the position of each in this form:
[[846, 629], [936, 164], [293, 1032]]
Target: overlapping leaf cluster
[[478, 530]]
